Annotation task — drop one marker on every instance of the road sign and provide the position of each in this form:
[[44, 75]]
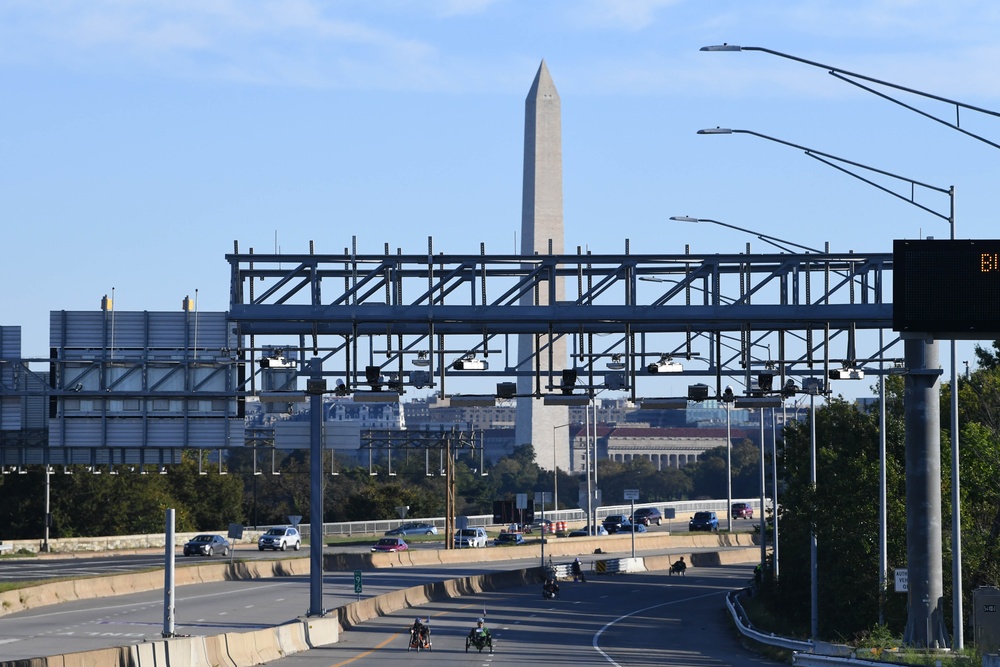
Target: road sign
[[294, 519], [946, 287], [521, 501], [357, 582], [901, 578], [631, 494], [543, 497]]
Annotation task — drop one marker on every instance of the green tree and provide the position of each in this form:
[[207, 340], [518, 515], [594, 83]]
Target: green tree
[[841, 511]]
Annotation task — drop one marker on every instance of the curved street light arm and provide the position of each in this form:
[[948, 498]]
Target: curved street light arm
[[773, 240], [953, 125], [910, 200], [848, 76], [950, 191]]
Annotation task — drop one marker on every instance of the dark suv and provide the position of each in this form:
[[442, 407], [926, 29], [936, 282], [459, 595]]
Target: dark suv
[[704, 521], [647, 516], [614, 523]]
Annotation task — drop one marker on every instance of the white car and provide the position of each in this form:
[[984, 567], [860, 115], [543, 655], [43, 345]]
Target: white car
[[471, 537], [280, 539]]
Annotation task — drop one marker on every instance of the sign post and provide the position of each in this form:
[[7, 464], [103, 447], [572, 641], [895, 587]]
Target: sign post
[[632, 495], [540, 498]]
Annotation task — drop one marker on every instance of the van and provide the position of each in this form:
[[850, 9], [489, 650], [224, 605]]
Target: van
[[470, 537]]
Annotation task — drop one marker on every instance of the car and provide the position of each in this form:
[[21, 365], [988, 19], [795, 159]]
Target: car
[[470, 537], [742, 511], [508, 540], [704, 521], [632, 527], [599, 530], [614, 522], [207, 545], [647, 516], [390, 544], [414, 529], [279, 539]]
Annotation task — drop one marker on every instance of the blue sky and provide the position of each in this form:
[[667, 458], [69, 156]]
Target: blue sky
[[140, 139]]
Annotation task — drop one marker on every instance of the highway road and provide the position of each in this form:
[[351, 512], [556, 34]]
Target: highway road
[[213, 608], [634, 620], [89, 565]]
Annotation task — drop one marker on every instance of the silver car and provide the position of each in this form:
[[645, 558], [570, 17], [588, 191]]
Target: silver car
[[206, 545], [280, 539]]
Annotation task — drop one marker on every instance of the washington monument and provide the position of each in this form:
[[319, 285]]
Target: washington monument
[[542, 234]]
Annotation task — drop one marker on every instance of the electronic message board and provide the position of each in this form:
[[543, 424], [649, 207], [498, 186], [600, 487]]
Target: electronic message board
[[949, 288]]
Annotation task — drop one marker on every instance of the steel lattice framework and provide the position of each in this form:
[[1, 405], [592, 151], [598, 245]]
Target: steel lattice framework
[[632, 310]]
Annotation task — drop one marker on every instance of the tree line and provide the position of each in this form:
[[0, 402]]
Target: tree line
[[84, 504]]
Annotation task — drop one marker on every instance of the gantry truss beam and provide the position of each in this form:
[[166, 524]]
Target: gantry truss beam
[[461, 294]]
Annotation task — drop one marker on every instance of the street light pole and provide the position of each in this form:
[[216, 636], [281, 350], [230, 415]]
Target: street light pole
[[555, 469], [727, 401], [831, 161], [813, 578]]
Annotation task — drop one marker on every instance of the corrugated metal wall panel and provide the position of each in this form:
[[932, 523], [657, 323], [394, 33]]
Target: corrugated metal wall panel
[[10, 342]]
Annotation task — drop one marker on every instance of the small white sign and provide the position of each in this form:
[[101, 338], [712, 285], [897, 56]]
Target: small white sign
[[631, 494], [901, 580]]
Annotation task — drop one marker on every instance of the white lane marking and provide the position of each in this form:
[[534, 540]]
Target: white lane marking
[[597, 635], [132, 604], [9, 641]]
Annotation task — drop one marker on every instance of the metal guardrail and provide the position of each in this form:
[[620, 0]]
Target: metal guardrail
[[805, 652], [747, 630], [377, 527]]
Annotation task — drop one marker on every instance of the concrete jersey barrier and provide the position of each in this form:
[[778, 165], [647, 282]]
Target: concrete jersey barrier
[[260, 646]]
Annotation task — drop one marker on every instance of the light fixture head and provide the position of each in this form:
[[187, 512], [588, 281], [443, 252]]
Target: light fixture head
[[847, 373], [716, 130], [469, 363], [721, 47], [616, 363], [684, 218], [421, 359], [666, 364]]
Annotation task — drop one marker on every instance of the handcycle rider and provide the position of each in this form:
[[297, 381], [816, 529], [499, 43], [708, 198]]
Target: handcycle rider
[[421, 632], [479, 636]]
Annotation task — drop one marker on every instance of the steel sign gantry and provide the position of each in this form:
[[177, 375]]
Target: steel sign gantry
[[391, 308]]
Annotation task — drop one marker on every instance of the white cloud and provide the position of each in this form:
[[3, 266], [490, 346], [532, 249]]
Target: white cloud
[[617, 14]]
